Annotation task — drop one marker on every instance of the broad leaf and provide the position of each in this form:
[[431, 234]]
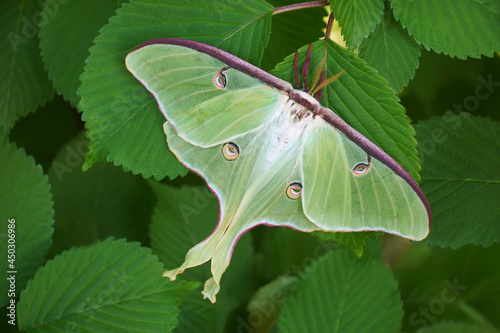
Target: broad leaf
[[111, 286], [460, 156], [182, 218], [357, 18], [291, 30], [391, 51], [96, 204], [363, 99], [25, 85], [124, 123], [66, 37], [355, 241], [465, 28], [26, 209], [341, 293]]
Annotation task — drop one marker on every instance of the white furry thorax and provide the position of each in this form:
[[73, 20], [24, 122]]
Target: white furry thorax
[[290, 124]]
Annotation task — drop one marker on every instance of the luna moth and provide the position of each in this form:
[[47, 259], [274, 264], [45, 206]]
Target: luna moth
[[271, 153]]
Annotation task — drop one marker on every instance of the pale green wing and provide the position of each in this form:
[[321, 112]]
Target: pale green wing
[[267, 152], [250, 191], [207, 102], [344, 191]]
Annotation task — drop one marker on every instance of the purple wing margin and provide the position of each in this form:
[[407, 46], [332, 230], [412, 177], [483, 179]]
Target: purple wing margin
[[228, 58]]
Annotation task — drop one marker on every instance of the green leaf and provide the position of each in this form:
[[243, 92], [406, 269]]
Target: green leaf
[[93, 205], [391, 51], [466, 28], [449, 285], [182, 218], [460, 156], [66, 37], [343, 294], [355, 241], [287, 36], [124, 123], [25, 85], [357, 18], [363, 99], [111, 286], [25, 199], [450, 327]]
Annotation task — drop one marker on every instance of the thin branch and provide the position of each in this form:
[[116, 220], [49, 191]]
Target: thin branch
[[329, 26], [297, 6]]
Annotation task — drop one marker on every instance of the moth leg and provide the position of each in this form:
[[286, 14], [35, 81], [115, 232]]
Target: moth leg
[[305, 69], [320, 92]]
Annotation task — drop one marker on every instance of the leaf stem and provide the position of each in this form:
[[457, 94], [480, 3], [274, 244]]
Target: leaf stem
[[297, 6]]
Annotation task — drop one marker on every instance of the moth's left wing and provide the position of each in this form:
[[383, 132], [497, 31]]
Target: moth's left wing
[[204, 92]]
